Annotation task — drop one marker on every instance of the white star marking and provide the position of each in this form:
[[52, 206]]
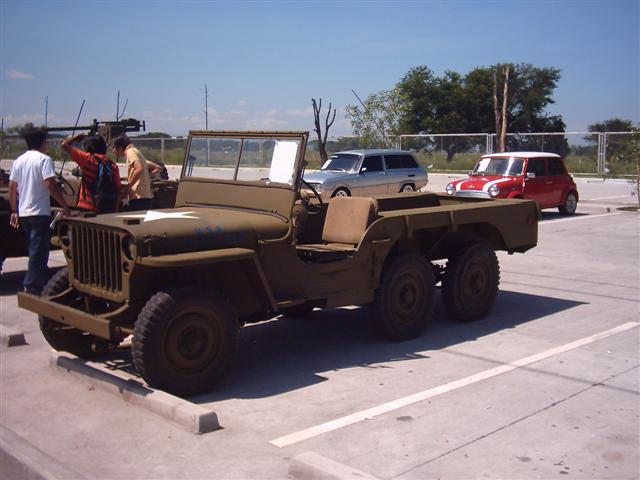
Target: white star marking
[[150, 216]]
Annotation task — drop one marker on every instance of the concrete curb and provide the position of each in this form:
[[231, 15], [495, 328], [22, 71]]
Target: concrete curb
[[10, 337], [311, 466], [21, 460], [187, 415]]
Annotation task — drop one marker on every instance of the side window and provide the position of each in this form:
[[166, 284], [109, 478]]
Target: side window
[[556, 167], [372, 164], [536, 165], [395, 162]]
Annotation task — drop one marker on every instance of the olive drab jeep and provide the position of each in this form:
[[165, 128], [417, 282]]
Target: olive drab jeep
[[248, 241]]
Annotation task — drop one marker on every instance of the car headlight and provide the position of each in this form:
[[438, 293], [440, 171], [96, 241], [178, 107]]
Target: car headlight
[[451, 189], [494, 190]]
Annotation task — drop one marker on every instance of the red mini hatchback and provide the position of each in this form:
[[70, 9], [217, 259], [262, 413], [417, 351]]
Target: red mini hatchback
[[532, 175]]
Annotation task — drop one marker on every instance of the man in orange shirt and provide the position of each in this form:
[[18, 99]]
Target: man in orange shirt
[[92, 162]]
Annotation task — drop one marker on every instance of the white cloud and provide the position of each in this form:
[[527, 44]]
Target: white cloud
[[17, 75], [242, 103]]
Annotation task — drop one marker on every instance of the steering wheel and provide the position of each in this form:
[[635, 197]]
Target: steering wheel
[[312, 208], [66, 186]]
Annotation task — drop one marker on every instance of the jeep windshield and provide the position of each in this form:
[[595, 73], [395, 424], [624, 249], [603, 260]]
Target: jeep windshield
[[268, 159], [499, 166], [342, 162]]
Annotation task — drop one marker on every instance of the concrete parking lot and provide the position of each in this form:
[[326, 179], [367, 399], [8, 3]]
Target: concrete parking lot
[[545, 387]]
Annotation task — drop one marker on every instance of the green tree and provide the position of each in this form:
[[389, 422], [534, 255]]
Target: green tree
[[378, 119], [456, 104]]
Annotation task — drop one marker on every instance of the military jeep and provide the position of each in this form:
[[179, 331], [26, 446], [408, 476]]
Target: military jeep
[[244, 243]]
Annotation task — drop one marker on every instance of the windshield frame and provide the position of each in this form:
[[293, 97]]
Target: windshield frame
[[244, 138]]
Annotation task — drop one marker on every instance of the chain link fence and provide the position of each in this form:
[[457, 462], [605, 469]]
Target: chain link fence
[[584, 152]]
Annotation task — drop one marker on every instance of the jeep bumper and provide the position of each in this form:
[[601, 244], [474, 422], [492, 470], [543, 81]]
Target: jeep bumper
[[101, 327]]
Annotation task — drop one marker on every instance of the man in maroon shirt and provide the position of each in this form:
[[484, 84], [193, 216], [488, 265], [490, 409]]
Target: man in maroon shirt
[[89, 161]]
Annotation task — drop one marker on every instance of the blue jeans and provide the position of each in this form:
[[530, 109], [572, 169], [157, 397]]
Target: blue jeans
[[140, 204], [38, 235]]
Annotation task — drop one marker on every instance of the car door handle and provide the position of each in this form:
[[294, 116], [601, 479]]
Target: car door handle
[[412, 175], [549, 183]]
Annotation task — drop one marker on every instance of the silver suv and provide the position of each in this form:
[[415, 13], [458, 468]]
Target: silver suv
[[367, 172]]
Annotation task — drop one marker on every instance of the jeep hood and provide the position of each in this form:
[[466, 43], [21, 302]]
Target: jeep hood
[[181, 230]]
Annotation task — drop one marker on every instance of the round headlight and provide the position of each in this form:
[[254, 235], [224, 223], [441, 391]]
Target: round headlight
[[129, 247], [64, 234], [494, 190], [451, 189]]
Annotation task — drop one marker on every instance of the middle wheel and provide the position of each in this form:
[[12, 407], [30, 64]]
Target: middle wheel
[[184, 340], [405, 299]]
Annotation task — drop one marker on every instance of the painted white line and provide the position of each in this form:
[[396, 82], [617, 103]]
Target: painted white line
[[447, 387], [607, 198], [572, 219]]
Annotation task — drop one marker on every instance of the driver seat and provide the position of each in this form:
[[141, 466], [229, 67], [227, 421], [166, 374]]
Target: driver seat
[[346, 222]]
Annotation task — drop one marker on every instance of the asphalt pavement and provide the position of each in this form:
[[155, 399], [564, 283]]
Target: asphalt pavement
[[546, 386]]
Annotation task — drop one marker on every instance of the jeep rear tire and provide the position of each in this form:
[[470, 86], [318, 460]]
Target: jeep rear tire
[[184, 340], [405, 300], [470, 283], [62, 337]]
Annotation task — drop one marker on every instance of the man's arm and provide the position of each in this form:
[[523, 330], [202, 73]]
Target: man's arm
[[13, 201], [56, 193], [153, 167], [67, 143]]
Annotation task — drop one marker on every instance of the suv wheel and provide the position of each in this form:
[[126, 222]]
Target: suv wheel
[[405, 300], [341, 192], [470, 282], [62, 337], [407, 189], [570, 204], [184, 340]]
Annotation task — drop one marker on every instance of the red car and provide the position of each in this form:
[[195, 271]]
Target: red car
[[532, 175]]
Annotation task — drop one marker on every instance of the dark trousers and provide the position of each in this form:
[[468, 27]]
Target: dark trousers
[[140, 204], [38, 235]]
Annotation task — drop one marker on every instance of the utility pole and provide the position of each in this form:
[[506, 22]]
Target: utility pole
[[46, 111], [119, 114], [206, 107]]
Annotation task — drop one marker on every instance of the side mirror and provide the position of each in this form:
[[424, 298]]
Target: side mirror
[[470, 172], [531, 175]]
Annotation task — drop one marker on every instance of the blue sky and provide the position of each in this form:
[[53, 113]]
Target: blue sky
[[264, 61]]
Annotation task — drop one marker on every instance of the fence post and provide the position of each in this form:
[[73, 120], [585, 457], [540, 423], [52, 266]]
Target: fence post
[[162, 150], [602, 151]]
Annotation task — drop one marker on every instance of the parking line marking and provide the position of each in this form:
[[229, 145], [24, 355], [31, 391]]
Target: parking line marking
[[440, 389], [608, 198], [586, 217]]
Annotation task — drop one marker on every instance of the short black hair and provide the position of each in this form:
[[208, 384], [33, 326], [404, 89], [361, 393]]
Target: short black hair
[[121, 142], [35, 137], [95, 144]]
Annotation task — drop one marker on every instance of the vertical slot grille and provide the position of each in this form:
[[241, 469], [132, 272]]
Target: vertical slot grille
[[97, 257]]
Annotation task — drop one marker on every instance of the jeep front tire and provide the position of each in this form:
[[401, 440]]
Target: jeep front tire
[[184, 340]]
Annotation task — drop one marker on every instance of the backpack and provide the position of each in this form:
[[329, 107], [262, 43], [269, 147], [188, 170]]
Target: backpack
[[103, 191]]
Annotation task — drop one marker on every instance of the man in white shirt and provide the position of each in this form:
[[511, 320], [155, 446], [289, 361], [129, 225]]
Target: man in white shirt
[[32, 180]]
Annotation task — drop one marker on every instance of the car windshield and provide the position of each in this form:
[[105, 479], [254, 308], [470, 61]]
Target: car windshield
[[271, 160], [342, 162], [499, 166]]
